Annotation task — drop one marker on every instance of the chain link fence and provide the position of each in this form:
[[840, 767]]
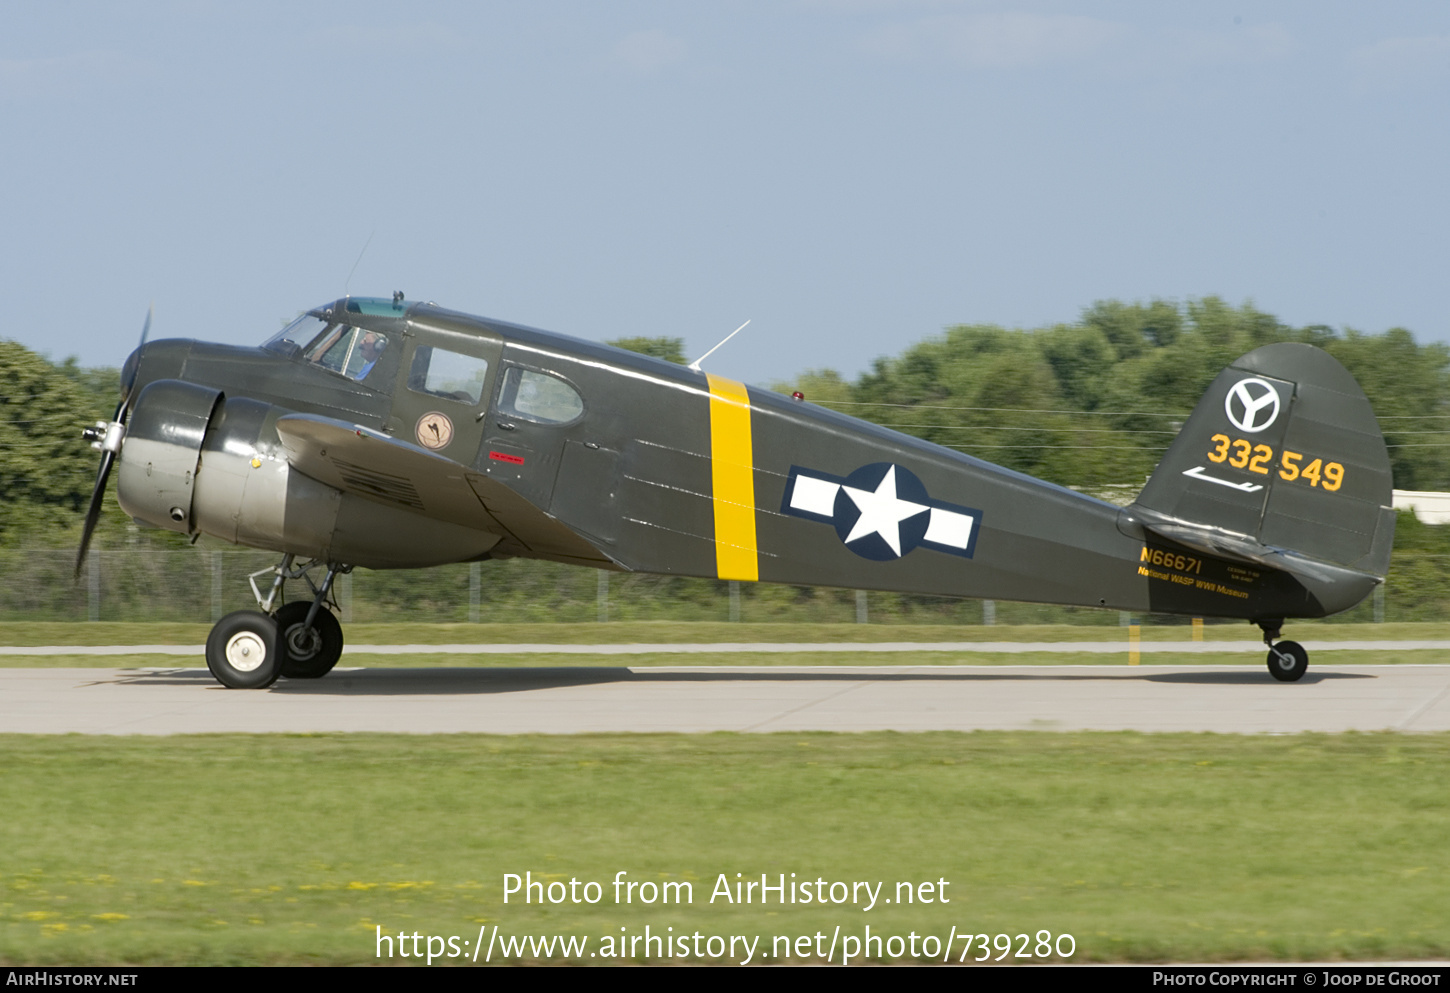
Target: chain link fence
[[197, 585]]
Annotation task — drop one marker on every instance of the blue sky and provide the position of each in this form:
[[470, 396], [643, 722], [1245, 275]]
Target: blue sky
[[852, 175]]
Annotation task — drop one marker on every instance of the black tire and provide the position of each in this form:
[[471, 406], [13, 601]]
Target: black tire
[[1288, 661], [242, 651], [308, 654]]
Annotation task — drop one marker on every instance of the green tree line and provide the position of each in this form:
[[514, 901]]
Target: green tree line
[[1096, 402], [1092, 403], [46, 470]]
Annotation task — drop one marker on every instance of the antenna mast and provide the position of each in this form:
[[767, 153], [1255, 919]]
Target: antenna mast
[[695, 365]]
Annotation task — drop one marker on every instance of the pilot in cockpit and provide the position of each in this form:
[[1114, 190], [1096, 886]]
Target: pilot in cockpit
[[371, 347]]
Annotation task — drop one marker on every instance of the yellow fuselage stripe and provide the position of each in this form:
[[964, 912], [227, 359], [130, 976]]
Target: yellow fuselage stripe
[[733, 469]]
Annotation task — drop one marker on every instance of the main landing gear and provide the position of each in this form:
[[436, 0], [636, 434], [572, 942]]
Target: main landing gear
[[1288, 660], [248, 650]]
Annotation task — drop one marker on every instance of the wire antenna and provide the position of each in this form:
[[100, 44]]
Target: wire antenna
[[346, 285], [695, 365]]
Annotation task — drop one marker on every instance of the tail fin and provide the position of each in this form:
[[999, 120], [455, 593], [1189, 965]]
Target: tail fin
[[1281, 463]]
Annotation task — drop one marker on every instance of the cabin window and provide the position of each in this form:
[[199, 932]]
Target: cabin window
[[347, 350], [447, 374], [332, 350], [538, 396]]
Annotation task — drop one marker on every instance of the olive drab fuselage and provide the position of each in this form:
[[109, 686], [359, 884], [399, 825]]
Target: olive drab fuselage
[[394, 435]]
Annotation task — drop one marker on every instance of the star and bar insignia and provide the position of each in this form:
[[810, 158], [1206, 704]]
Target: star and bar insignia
[[881, 511]]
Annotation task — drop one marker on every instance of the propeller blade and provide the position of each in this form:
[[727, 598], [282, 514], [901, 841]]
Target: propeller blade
[[128, 374], [108, 454], [93, 512]]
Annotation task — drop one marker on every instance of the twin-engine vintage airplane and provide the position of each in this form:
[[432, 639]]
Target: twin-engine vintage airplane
[[390, 434]]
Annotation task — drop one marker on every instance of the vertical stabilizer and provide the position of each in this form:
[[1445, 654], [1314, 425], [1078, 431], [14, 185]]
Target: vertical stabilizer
[[1282, 455]]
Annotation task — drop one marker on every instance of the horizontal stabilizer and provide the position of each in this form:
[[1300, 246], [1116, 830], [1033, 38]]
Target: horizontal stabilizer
[[1237, 547]]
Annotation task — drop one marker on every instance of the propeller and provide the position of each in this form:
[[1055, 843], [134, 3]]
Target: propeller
[[107, 436]]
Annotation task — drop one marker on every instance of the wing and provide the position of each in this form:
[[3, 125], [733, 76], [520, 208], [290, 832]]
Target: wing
[[370, 464]]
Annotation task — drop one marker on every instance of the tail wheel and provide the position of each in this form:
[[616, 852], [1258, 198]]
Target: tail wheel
[[309, 653], [1288, 661], [243, 651]]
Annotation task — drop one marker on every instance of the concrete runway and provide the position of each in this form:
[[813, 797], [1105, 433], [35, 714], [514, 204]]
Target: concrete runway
[[1118, 647], [1226, 699]]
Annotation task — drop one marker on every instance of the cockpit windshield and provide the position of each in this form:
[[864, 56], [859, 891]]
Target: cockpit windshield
[[297, 335], [338, 347]]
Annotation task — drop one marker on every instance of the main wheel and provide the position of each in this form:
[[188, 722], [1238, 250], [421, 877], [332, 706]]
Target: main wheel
[[310, 653], [242, 651], [1288, 661]]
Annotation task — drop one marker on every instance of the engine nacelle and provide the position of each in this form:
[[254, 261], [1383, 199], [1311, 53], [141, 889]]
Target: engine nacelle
[[247, 494], [156, 477], [195, 460]]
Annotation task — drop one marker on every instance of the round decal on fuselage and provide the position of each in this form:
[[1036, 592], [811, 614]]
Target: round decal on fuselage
[[434, 430]]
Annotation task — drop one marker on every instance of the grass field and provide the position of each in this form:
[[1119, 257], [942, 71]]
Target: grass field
[[231, 849], [1145, 848]]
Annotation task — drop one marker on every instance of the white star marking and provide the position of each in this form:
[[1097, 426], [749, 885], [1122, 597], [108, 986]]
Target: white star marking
[[881, 512]]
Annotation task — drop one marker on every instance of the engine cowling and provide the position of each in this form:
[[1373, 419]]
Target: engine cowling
[[156, 477], [197, 461]]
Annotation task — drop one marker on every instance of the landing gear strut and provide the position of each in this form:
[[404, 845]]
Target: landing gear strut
[[299, 640], [1288, 660]]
